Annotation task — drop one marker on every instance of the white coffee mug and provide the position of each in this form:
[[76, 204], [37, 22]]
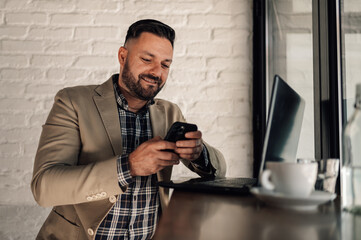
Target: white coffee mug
[[294, 179]]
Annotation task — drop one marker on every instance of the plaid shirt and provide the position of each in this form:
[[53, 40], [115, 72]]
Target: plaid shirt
[[135, 214]]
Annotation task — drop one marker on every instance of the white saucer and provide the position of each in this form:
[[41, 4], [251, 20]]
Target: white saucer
[[299, 203]]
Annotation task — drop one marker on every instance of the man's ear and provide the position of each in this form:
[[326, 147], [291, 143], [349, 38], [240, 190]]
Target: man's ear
[[122, 55]]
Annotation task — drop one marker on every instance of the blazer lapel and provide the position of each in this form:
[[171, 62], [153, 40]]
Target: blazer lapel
[[157, 118], [107, 107]]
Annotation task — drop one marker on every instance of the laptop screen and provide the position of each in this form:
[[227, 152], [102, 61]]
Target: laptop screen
[[285, 115]]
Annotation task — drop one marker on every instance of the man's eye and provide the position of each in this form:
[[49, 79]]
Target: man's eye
[[146, 60], [165, 66]]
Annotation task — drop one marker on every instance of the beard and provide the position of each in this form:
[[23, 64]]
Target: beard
[[134, 85]]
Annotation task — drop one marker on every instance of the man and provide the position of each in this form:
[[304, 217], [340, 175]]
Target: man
[[101, 151]]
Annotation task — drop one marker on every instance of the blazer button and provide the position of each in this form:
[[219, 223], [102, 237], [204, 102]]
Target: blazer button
[[112, 199], [90, 232]]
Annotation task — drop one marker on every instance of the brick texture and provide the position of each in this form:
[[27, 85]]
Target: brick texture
[[48, 45]]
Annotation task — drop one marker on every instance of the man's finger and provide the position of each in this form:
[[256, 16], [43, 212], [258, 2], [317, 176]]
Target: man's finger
[[165, 163], [189, 143], [168, 156], [193, 135], [163, 145], [195, 150]]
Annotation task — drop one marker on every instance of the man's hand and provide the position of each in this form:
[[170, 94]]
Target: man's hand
[[191, 148], [149, 158]]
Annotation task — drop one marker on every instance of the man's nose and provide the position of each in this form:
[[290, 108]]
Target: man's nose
[[156, 70]]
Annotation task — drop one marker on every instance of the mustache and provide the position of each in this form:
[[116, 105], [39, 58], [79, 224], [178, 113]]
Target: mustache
[[157, 79]]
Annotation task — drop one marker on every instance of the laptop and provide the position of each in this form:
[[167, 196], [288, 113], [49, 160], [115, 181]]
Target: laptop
[[285, 116]]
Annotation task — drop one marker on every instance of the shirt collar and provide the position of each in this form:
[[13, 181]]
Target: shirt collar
[[122, 102]]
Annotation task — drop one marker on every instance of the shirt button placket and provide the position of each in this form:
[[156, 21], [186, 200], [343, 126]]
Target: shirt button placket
[[137, 126]]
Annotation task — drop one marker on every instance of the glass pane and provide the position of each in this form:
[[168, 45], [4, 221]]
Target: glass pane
[[290, 55], [351, 46]]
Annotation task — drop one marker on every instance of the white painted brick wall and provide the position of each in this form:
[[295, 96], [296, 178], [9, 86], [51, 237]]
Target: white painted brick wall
[[48, 45]]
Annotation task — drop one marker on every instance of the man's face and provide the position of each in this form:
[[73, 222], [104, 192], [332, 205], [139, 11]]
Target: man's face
[[146, 66]]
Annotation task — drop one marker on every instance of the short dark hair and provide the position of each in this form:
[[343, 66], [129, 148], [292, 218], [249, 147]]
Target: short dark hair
[[152, 26]]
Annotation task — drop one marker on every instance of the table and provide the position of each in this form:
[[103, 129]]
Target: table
[[197, 216]]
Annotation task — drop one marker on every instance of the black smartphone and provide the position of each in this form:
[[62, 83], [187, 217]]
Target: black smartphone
[[178, 130]]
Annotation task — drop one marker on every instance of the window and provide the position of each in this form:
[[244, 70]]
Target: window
[[290, 55], [316, 46]]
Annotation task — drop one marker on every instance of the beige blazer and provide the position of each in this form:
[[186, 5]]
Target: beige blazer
[[75, 165]]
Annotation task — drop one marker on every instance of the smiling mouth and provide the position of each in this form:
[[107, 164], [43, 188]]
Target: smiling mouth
[[151, 81]]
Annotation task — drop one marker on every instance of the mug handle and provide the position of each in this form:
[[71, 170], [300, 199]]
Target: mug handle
[[265, 180]]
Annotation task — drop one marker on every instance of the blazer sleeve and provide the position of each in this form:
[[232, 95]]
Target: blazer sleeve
[[57, 177]]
